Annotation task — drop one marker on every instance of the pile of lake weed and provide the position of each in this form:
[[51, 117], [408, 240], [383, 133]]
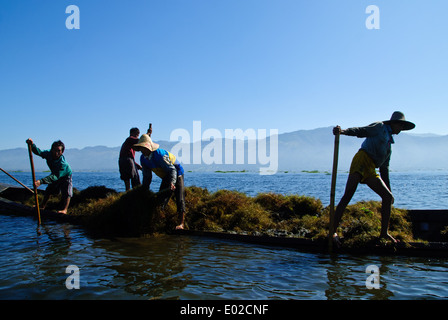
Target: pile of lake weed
[[285, 207], [226, 210], [361, 224], [139, 211], [131, 213]]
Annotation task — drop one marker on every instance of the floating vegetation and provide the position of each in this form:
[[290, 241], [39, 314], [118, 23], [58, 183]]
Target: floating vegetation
[[107, 212], [316, 171]]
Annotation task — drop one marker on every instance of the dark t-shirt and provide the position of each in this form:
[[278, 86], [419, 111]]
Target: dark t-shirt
[[126, 148]]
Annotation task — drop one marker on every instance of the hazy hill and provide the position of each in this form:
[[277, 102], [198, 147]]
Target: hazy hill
[[297, 151]]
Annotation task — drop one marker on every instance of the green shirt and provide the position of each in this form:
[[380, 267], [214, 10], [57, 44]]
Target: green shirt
[[59, 167]]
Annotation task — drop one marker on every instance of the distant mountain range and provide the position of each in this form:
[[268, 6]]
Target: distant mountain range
[[302, 150]]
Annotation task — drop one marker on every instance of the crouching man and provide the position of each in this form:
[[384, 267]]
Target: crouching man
[[60, 179], [164, 165]]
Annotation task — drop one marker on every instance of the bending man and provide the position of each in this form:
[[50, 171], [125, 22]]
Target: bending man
[[375, 153], [164, 165]]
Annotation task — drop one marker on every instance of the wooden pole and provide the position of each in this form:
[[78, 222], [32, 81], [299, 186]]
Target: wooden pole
[[30, 153], [17, 181], [333, 189]]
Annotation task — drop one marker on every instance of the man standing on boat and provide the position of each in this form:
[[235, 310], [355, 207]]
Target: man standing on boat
[[60, 179], [165, 165], [126, 161], [375, 153]]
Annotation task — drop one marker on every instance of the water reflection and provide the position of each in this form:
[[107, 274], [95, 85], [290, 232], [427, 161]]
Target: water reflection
[[347, 278], [145, 268], [180, 267]]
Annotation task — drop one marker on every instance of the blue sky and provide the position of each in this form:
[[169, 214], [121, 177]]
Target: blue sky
[[261, 64]]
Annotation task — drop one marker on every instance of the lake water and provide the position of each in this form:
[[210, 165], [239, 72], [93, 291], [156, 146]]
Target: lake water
[[33, 265], [412, 190]]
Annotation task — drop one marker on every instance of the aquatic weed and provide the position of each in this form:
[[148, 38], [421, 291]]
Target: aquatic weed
[[226, 210], [284, 207], [139, 211]]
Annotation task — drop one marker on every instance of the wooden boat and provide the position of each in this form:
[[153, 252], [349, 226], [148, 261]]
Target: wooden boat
[[425, 222], [433, 249], [10, 194]]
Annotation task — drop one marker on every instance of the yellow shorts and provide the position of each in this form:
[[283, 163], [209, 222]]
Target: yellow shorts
[[364, 165]]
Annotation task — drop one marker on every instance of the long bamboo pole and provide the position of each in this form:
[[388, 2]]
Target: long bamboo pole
[[30, 153], [17, 181], [333, 189]]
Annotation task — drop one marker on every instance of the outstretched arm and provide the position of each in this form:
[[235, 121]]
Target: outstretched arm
[[34, 148], [360, 132]]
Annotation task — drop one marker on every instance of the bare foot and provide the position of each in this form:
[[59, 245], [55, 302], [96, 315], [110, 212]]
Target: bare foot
[[180, 227], [62, 211], [388, 237]]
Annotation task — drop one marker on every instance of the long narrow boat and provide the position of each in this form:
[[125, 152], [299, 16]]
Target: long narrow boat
[[424, 221], [8, 206], [432, 249]]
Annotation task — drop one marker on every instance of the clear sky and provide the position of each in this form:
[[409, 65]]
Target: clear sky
[[260, 64]]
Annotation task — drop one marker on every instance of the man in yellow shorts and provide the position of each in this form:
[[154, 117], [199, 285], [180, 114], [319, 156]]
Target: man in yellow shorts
[[374, 153]]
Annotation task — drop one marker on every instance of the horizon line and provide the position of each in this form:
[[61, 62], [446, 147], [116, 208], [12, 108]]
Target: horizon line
[[425, 135]]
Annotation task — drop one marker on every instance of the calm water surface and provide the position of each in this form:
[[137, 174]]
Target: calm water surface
[[33, 265], [412, 190]]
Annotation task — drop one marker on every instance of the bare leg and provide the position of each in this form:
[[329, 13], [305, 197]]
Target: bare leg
[[352, 184], [127, 184], [67, 202], [181, 220], [45, 201], [180, 201], [378, 185]]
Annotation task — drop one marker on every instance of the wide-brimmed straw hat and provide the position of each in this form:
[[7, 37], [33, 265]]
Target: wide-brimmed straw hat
[[398, 117], [145, 142]]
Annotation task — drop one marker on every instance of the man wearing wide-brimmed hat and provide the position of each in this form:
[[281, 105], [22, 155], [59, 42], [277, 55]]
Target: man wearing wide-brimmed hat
[[375, 153], [165, 165]]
